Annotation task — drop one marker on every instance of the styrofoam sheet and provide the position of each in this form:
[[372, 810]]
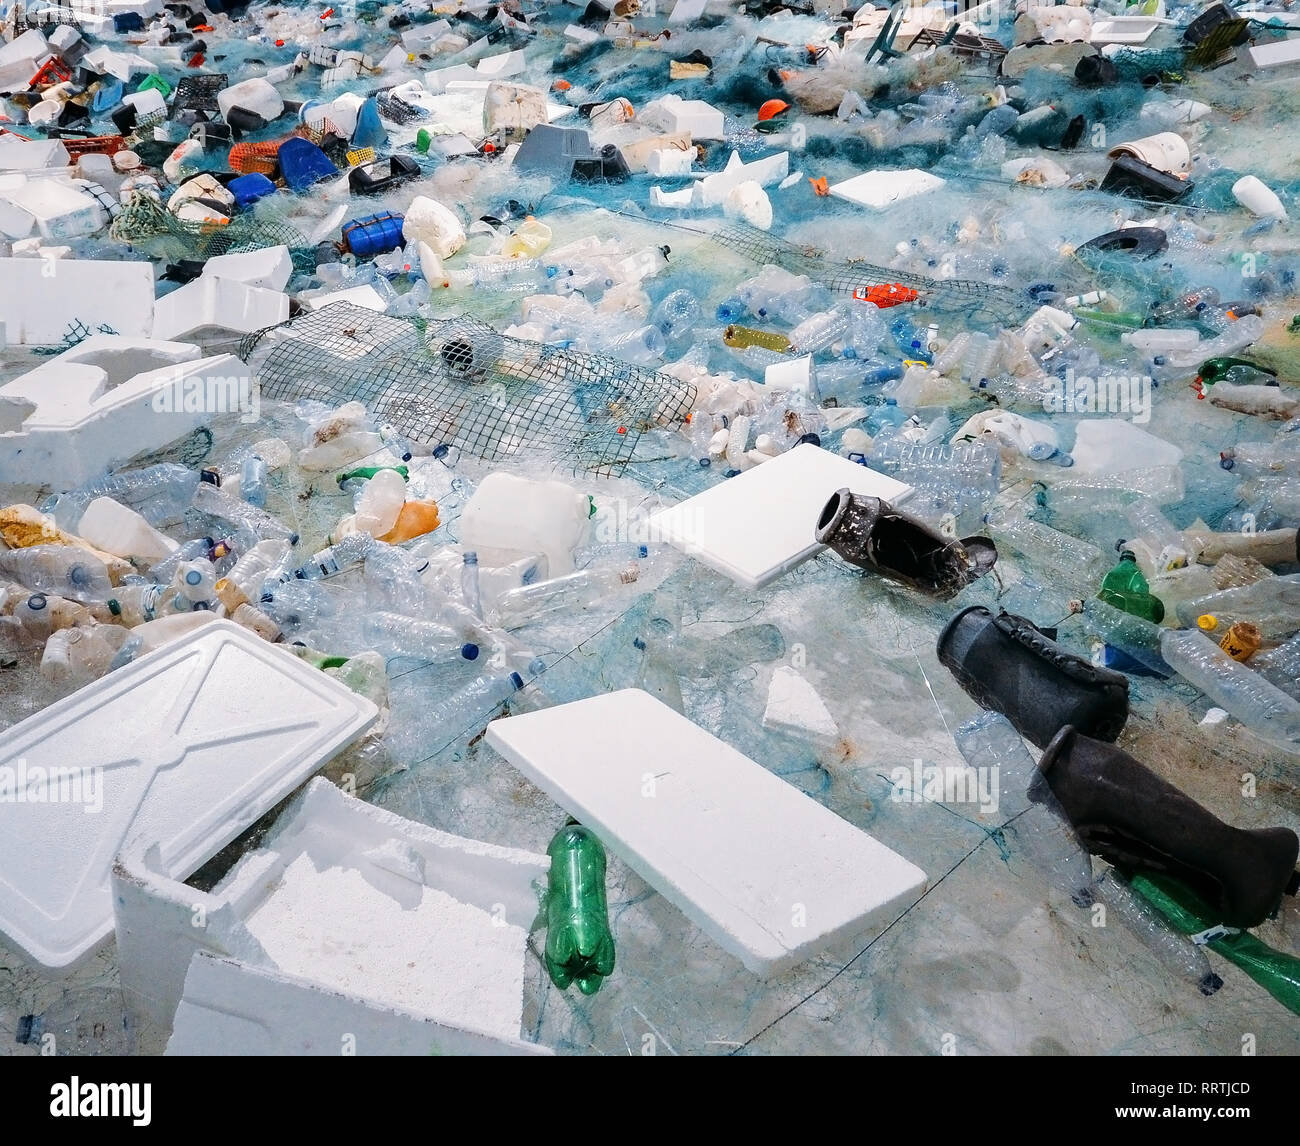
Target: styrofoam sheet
[[179, 751], [767, 872], [40, 300], [1125, 29], [231, 1008], [881, 189], [762, 523]]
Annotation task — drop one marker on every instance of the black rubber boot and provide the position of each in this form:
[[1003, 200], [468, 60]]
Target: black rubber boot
[[873, 535], [1136, 821], [1008, 665]]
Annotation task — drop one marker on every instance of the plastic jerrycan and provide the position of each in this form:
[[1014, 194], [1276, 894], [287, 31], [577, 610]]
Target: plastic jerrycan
[[511, 516]]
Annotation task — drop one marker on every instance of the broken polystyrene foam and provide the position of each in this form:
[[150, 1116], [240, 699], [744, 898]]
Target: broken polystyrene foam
[[255, 94], [685, 11], [791, 374], [18, 154], [670, 161], [209, 308], [881, 189], [1124, 29], [795, 708], [232, 1008], [42, 301], [268, 267], [1276, 54], [364, 295], [695, 117], [178, 751], [713, 190], [106, 400], [732, 846], [58, 209], [406, 917], [762, 523]]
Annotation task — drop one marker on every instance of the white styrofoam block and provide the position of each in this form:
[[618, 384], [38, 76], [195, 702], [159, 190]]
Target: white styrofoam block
[[1124, 29], [59, 210], [674, 114], [269, 267], [212, 308], [17, 154], [179, 751], [880, 189], [791, 374], [794, 707], [108, 399], [39, 299], [365, 296], [713, 189], [770, 874], [1276, 54], [231, 1008], [762, 523], [383, 868]]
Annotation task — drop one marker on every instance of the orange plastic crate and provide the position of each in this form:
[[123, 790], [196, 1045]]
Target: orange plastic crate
[[94, 145], [247, 158]]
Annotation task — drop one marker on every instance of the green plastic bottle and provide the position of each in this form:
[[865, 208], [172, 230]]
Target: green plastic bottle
[[1275, 971], [579, 943], [1125, 588]]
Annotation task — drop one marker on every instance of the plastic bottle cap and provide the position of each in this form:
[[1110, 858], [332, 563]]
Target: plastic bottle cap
[[1207, 623], [193, 577], [469, 651], [36, 602], [517, 681]]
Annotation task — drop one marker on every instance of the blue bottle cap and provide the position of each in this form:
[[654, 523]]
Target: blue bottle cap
[[517, 681], [469, 651]]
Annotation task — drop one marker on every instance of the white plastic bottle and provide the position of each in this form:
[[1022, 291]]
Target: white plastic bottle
[[112, 527], [379, 503]]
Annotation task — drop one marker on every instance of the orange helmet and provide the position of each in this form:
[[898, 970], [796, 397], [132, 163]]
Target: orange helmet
[[772, 109]]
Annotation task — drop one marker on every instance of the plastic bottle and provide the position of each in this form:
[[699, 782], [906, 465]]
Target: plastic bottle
[[393, 583], [471, 707], [395, 634], [37, 615], [644, 346], [160, 494], [163, 571], [507, 651], [1277, 972], [579, 943], [1178, 954], [1162, 544], [252, 481], [344, 554], [65, 570], [577, 590], [1281, 666], [1184, 306], [819, 331], [258, 622], [1181, 365], [469, 586], [78, 655], [1126, 588], [1264, 459], [114, 528], [1134, 636], [196, 582], [676, 315], [704, 657], [528, 241], [1047, 840], [1272, 604], [243, 582], [209, 499], [656, 676], [1237, 688], [1046, 549], [380, 502]]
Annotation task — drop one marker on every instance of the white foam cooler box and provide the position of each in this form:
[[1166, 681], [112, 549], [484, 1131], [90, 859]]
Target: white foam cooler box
[[347, 912]]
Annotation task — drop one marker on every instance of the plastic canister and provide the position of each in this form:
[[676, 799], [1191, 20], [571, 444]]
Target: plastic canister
[[509, 517], [373, 234]]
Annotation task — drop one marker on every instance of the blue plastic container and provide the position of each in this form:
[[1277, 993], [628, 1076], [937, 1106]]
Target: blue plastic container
[[373, 234], [302, 163], [248, 189]]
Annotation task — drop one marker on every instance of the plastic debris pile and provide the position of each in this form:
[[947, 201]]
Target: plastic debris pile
[[649, 479]]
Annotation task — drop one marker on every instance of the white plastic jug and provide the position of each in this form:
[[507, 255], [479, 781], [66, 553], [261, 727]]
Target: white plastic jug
[[111, 526], [510, 517], [379, 503]]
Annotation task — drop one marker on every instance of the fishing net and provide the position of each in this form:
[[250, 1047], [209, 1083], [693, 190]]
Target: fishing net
[[458, 382], [144, 222]]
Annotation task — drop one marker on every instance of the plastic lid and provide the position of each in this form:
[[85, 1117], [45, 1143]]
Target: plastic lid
[[469, 651], [193, 577], [36, 602], [1207, 623], [517, 681]]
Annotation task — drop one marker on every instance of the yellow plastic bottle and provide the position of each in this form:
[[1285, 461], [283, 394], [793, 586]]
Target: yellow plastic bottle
[[530, 239]]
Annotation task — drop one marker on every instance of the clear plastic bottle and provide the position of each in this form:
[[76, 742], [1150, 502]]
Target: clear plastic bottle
[[1264, 459], [252, 481], [163, 571], [343, 554], [66, 570], [196, 581], [1180, 365], [676, 315], [1235, 687], [1113, 491], [644, 346], [1046, 549], [819, 331], [393, 582], [244, 581], [1163, 544], [466, 711], [395, 634], [656, 676], [80, 654], [1184, 306], [469, 586], [160, 494], [1281, 666], [1133, 636], [1272, 604], [1176, 952], [528, 603], [209, 499]]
